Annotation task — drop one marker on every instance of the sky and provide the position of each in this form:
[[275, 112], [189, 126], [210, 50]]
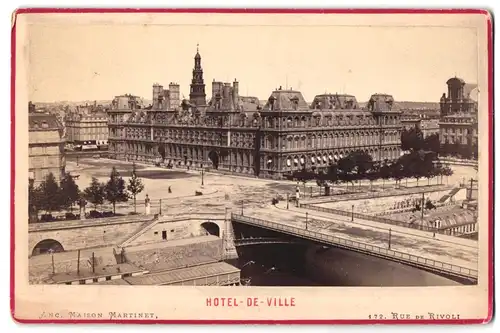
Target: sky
[[74, 62]]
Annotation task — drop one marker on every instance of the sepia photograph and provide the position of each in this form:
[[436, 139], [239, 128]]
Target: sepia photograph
[[313, 156]]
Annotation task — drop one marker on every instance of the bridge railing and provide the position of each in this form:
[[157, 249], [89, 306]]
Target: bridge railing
[[410, 259]]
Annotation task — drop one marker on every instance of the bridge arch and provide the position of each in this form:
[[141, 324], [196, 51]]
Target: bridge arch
[[47, 246], [210, 228]]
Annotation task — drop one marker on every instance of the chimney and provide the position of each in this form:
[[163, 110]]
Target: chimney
[[226, 91], [236, 89]]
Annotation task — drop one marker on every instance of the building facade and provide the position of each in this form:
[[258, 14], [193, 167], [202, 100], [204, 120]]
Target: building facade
[[458, 123], [87, 126], [241, 135], [429, 127], [46, 147]]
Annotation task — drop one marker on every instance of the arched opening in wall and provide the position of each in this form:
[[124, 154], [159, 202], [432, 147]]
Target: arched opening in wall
[[47, 246], [161, 151], [214, 158], [210, 228]]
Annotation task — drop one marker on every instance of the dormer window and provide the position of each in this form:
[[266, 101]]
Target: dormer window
[[295, 102], [271, 102]]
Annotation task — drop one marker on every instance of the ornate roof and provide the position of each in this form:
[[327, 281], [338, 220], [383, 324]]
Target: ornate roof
[[335, 102], [455, 79], [382, 102], [286, 100]]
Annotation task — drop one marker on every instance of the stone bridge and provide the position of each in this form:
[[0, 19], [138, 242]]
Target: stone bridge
[[121, 231]]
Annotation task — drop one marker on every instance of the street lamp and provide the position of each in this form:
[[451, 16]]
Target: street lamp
[[287, 200], [306, 220], [390, 238], [352, 213], [202, 183], [241, 207]]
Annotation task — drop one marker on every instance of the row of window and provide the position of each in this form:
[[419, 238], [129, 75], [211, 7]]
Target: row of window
[[44, 150], [36, 162], [456, 130]]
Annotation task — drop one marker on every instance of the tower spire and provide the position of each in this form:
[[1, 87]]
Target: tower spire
[[197, 95]]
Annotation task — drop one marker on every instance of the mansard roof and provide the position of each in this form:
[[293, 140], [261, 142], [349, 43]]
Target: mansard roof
[[244, 104], [285, 99], [335, 102], [382, 102]]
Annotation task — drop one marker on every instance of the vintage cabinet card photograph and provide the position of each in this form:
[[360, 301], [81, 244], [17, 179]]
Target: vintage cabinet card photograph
[[252, 166]]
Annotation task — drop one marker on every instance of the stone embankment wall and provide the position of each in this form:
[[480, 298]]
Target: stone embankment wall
[[167, 255], [375, 205]]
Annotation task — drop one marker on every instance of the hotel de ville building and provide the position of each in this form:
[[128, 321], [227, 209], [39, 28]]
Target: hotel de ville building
[[238, 134]]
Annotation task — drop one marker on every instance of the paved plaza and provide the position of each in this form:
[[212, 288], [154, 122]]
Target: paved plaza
[[253, 196], [219, 191]]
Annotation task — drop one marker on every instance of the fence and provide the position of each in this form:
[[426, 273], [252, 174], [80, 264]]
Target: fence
[[387, 193], [369, 218], [411, 260]]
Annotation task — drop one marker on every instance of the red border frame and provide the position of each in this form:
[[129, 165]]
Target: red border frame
[[260, 11]]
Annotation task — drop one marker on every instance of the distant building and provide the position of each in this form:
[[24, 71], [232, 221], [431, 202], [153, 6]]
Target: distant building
[[410, 121], [458, 123], [87, 127], [31, 107], [238, 134], [429, 127], [46, 147]]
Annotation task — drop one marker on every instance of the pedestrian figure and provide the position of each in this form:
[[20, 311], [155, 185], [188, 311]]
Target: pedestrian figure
[[169, 189]]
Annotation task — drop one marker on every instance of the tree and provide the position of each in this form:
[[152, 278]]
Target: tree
[[412, 139], [50, 194], [428, 167], [303, 176], [447, 171], [429, 205], [115, 189], [363, 161], [34, 196], [135, 186], [69, 191], [431, 143], [397, 171], [346, 166], [95, 193], [332, 174]]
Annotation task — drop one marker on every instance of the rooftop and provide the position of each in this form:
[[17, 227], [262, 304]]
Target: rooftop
[[110, 270], [183, 274], [40, 122], [286, 100]]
